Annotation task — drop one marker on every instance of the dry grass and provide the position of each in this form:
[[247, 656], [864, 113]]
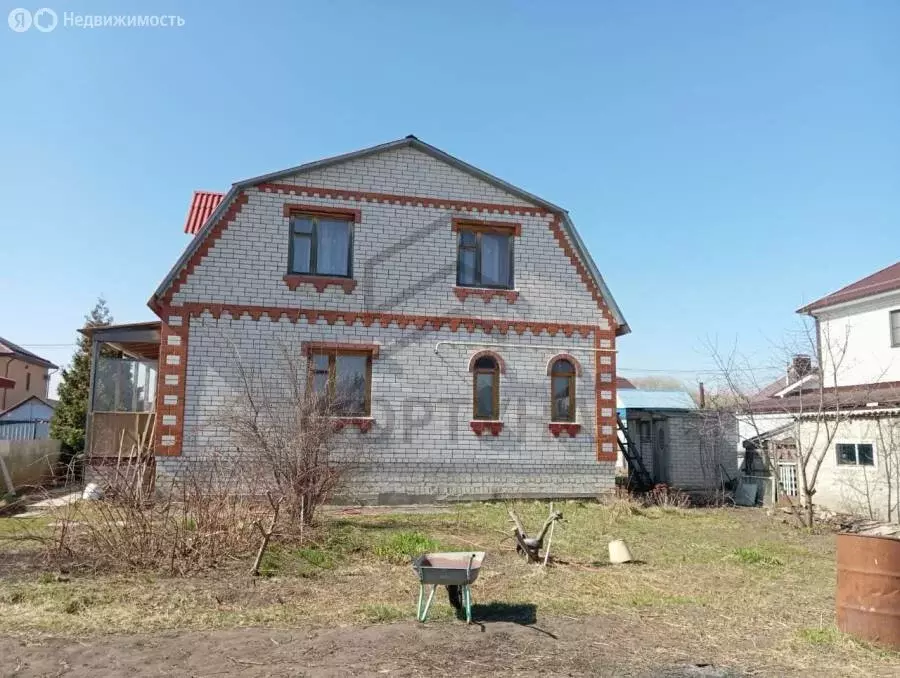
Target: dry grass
[[732, 585]]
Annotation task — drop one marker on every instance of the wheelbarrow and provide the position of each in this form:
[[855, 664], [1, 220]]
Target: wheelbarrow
[[456, 571]]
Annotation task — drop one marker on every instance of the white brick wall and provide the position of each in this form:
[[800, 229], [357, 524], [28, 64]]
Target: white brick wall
[[405, 171], [698, 447], [422, 444], [404, 260]]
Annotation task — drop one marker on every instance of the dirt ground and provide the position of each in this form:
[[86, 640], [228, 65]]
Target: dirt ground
[[737, 589], [558, 647]]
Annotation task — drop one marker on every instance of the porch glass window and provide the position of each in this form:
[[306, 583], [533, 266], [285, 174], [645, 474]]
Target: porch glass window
[[320, 246], [124, 384]]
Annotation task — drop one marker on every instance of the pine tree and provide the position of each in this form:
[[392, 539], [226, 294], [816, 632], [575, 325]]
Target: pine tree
[[70, 417]]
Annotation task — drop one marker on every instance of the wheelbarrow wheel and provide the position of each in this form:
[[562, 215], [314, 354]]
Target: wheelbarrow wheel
[[454, 593]]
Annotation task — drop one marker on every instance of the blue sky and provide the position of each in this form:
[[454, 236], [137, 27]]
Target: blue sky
[[724, 161]]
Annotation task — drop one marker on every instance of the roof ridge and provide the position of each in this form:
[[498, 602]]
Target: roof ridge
[[25, 353], [858, 289]]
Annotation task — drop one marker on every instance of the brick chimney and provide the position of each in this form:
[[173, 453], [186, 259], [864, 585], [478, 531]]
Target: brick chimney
[[800, 366]]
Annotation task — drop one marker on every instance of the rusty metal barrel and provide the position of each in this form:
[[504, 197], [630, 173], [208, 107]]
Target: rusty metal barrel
[[868, 588]]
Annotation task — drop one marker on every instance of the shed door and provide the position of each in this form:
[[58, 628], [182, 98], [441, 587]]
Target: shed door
[[660, 452]]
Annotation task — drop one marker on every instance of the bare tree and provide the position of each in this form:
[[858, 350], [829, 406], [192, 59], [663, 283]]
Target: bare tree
[[814, 412], [290, 436], [888, 432]]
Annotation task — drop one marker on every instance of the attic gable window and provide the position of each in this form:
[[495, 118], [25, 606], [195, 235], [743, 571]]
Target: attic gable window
[[485, 254], [320, 246], [321, 241]]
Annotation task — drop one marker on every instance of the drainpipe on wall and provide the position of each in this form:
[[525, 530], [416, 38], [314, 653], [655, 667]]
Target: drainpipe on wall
[[5, 374], [50, 373]]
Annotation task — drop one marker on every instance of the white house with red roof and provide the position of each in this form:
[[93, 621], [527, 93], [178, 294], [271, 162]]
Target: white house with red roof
[[841, 407]]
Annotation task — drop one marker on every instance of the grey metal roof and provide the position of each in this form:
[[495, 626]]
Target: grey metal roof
[[412, 142], [639, 399]]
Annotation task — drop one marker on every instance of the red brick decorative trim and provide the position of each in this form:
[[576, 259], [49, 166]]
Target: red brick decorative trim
[[214, 234], [482, 425], [291, 209], [364, 424], [173, 364], [309, 347], [404, 200], [486, 293], [508, 227], [587, 279], [320, 282], [488, 354], [401, 320], [557, 427], [566, 356], [610, 439], [386, 198]]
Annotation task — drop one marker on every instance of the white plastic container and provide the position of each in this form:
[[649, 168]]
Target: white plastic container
[[619, 552], [92, 492]]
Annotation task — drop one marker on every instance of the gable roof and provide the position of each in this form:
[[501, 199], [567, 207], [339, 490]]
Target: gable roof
[[885, 280], [409, 141], [203, 204], [51, 405], [11, 350]]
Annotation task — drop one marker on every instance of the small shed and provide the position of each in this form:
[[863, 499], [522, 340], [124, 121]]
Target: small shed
[[27, 420], [680, 445]]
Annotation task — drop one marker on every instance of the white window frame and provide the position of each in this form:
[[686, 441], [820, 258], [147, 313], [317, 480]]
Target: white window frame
[[856, 443], [895, 339]]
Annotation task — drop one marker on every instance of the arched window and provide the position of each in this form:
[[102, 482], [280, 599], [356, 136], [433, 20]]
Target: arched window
[[562, 390], [486, 388]]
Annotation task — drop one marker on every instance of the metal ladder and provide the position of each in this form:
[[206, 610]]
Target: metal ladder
[[641, 479]]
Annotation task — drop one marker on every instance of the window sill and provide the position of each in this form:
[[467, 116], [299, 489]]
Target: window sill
[[364, 424], [320, 282], [479, 426], [486, 293], [570, 427]]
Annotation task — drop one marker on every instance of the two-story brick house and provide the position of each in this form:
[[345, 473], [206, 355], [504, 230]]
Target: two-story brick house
[[842, 405], [468, 313]]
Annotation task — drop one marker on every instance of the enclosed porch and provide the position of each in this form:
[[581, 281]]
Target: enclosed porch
[[124, 367]]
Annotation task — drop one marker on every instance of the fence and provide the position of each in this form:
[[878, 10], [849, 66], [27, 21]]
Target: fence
[[24, 430], [29, 463]]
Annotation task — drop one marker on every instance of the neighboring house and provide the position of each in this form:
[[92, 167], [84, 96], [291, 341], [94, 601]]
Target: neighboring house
[[843, 405], [679, 444], [22, 374], [476, 332], [29, 420]]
